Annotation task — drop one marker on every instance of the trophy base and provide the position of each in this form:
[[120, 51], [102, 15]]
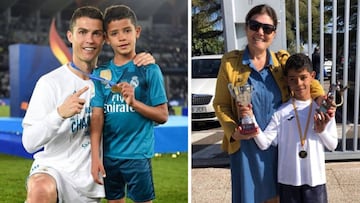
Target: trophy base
[[248, 129]]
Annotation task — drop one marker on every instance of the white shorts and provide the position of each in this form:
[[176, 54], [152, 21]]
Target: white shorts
[[66, 191]]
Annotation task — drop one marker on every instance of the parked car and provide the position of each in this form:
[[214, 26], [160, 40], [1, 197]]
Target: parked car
[[327, 68], [204, 73]]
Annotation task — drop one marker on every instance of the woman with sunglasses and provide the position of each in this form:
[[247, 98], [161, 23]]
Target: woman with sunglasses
[[253, 172]]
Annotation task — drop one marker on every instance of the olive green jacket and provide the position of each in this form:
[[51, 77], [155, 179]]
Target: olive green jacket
[[233, 71]]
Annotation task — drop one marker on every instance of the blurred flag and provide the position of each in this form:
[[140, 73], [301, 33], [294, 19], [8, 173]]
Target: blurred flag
[[58, 46]]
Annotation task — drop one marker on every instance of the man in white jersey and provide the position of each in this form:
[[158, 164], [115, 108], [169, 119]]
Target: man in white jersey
[[57, 121]]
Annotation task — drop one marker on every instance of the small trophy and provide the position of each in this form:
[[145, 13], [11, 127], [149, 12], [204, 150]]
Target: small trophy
[[330, 100], [242, 95]]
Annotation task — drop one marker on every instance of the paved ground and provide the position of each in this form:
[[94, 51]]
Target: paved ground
[[213, 184], [210, 175]]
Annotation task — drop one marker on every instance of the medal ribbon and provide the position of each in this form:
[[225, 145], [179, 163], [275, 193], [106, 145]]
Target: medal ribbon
[[302, 137], [94, 77]]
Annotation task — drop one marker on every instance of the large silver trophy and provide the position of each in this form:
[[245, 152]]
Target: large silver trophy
[[242, 95]]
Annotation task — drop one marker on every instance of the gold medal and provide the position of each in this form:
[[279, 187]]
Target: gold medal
[[302, 154], [116, 88]]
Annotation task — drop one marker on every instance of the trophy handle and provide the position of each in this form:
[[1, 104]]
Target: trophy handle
[[336, 88], [231, 90], [331, 100]]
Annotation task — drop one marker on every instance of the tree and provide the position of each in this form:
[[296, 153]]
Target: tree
[[207, 24], [341, 26], [206, 27], [328, 7], [303, 13]]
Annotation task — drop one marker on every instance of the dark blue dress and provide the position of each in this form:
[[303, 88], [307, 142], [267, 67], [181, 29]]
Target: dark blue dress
[[254, 172]]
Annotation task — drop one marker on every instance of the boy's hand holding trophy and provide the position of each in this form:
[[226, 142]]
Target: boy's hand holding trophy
[[329, 102]]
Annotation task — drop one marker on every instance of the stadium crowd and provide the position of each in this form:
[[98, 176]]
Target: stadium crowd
[[166, 42]]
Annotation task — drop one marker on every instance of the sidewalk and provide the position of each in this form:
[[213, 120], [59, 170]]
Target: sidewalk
[[210, 173], [213, 184]]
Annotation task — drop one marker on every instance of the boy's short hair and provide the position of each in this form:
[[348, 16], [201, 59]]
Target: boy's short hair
[[85, 11], [298, 61], [119, 12]]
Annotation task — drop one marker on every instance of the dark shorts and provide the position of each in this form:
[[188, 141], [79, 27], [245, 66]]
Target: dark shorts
[[302, 194], [131, 175]]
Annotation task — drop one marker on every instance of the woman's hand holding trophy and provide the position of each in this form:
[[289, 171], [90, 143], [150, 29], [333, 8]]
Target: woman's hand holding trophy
[[242, 96]]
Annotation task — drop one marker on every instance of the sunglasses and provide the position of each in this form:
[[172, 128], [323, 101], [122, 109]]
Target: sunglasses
[[255, 26]]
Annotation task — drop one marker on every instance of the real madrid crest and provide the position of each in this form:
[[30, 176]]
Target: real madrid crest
[[134, 81]]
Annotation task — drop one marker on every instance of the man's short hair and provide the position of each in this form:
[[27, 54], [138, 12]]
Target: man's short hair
[[85, 11]]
